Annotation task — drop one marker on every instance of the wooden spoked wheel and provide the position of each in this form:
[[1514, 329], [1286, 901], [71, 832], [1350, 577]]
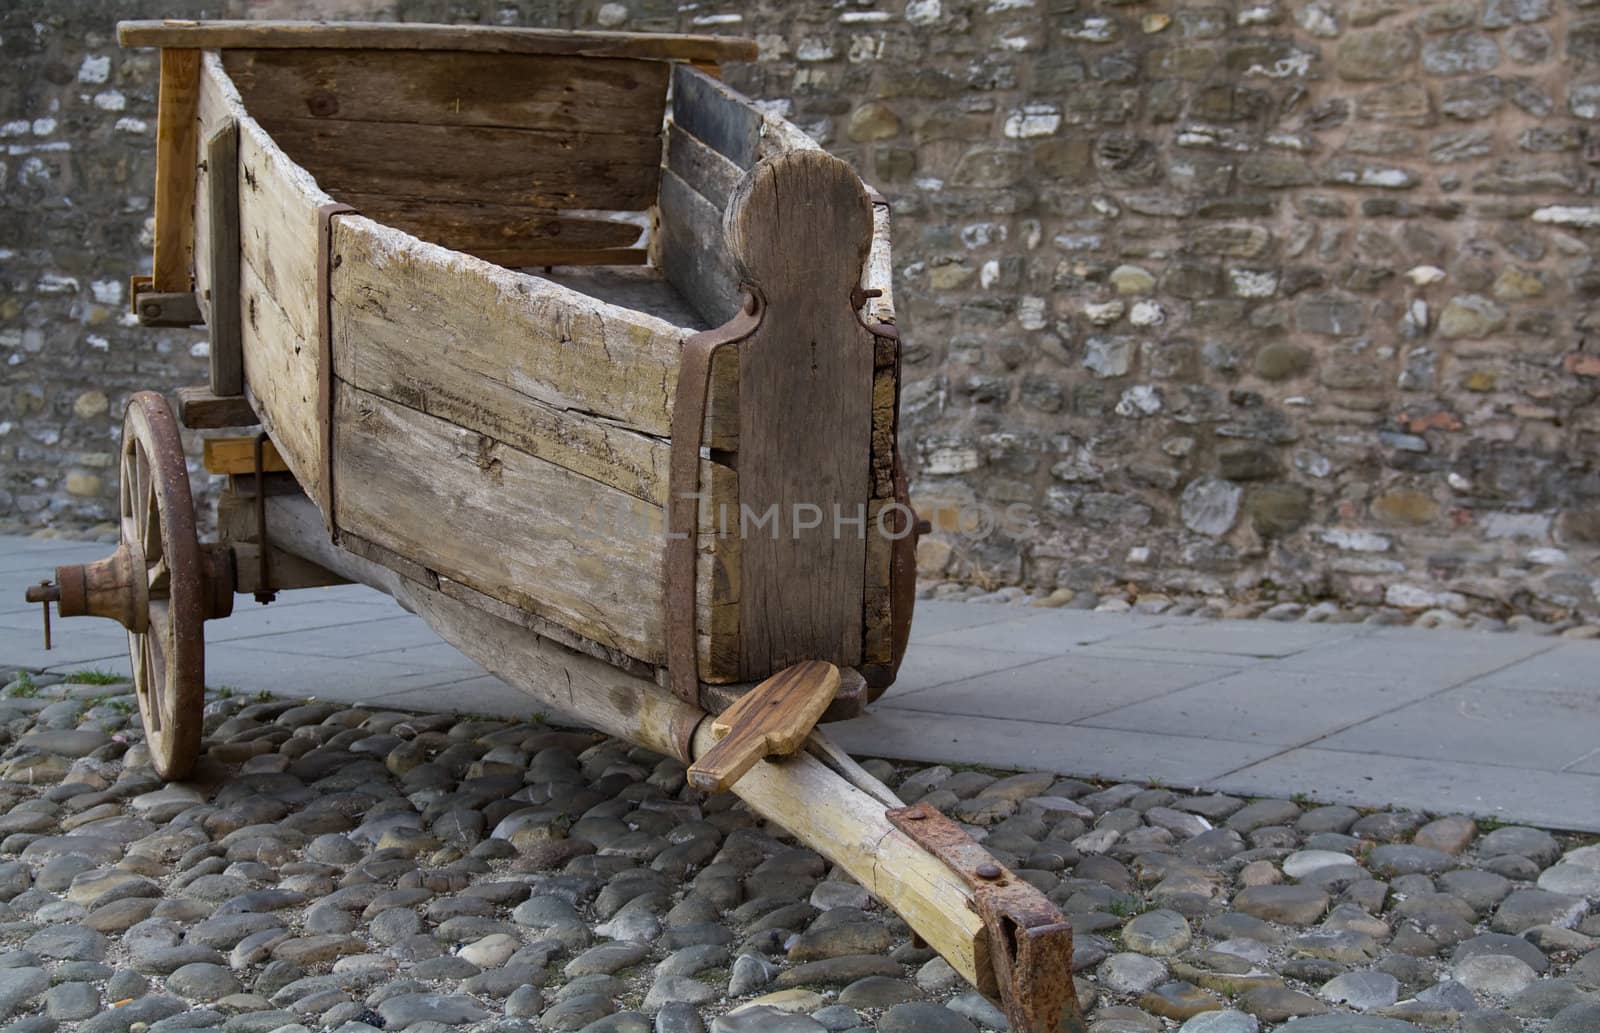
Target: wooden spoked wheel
[[167, 647]]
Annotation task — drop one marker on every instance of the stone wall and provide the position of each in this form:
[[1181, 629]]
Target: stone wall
[[1277, 298]]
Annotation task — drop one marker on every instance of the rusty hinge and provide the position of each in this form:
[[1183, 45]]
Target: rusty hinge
[[1030, 942]]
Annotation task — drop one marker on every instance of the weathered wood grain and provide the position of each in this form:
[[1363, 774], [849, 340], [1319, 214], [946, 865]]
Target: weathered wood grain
[[574, 684], [238, 455], [221, 290], [703, 169], [224, 35], [478, 331], [799, 227], [280, 377], [878, 275], [689, 248], [507, 235], [200, 409], [847, 826], [536, 168], [716, 114], [528, 532], [177, 158], [772, 719], [453, 88]]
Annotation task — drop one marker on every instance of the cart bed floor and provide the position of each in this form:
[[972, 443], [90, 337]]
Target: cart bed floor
[[636, 287]]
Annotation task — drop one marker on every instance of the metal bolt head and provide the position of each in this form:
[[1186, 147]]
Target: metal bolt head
[[988, 870], [152, 309], [915, 816]]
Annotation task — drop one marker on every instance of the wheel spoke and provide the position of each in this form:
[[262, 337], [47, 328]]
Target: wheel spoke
[[158, 650], [150, 524]]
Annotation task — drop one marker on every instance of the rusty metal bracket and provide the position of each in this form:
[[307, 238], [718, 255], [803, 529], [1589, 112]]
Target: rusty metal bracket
[[1030, 942], [264, 590], [683, 487], [326, 263]]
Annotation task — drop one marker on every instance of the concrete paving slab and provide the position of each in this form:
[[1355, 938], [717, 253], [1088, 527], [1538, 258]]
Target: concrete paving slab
[[380, 634], [1451, 656], [1563, 667], [1265, 704], [1055, 690], [1047, 633], [1564, 800], [928, 665], [935, 618], [1250, 639], [1084, 752], [1517, 728]]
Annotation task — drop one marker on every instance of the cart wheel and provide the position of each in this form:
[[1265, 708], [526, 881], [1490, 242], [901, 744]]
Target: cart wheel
[[158, 533]]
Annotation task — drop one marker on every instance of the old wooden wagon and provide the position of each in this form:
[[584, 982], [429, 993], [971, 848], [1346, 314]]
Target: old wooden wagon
[[654, 485]]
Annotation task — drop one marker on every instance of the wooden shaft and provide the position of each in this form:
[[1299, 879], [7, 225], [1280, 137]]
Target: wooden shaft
[[177, 129], [848, 827]]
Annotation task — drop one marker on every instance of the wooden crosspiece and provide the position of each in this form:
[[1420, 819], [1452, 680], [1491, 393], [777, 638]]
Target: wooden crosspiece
[[773, 718]]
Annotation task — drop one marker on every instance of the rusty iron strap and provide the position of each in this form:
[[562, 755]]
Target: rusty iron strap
[[1030, 942], [683, 484], [325, 266], [264, 590]]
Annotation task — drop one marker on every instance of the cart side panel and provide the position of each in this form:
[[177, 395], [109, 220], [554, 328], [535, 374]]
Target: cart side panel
[[277, 215], [518, 528], [390, 131]]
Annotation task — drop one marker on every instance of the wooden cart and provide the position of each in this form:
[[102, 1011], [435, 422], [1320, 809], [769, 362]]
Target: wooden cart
[[644, 483]]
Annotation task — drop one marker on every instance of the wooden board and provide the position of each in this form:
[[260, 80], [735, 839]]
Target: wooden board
[[503, 340], [701, 168], [280, 373], [689, 248], [223, 34], [520, 529], [507, 235], [199, 409], [445, 88], [238, 455], [177, 157], [717, 115], [536, 168], [221, 290], [799, 228]]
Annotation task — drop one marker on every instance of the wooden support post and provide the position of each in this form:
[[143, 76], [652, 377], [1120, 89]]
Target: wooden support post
[[222, 197], [177, 127]]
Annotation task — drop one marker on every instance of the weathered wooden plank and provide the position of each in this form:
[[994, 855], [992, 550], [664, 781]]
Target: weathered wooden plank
[[878, 274], [688, 246], [529, 167], [224, 35], [221, 291], [280, 377], [177, 157], [515, 527], [495, 232], [200, 409], [238, 455], [848, 703], [799, 228], [772, 719], [718, 115], [507, 341], [453, 88], [877, 633], [278, 204], [575, 685], [703, 169], [780, 136]]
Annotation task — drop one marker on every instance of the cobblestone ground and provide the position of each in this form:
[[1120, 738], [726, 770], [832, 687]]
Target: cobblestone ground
[[334, 868]]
